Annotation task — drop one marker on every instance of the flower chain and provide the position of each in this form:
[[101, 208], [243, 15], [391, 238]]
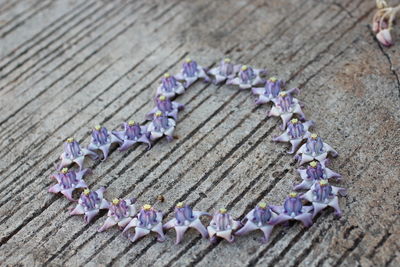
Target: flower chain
[[309, 149]]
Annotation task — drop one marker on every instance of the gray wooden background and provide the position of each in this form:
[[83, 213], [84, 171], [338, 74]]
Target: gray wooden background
[[67, 65]]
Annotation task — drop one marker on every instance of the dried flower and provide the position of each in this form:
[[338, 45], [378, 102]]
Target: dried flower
[[170, 87], [295, 133], [222, 226], [258, 219], [160, 126], [102, 140], [90, 203], [271, 90], [120, 213], [74, 153], [315, 172], [148, 220], [226, 70], [166, 106], [314, 149], [186, 218], [323, 195], [384, 37], [292, 209], [68, 181], [191, 72], [248, 77], [285, 107], [382, 22], [133, 133]]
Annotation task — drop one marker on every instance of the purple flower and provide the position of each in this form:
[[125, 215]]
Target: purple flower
[[270, 91], [248, 77], [74, 153], [186, 218], [315, 172], [170, 87], [68, 181], [295, 133], [102, 140], [160, 126], [222, 226], [148, 220], [90, 203], [292, 209], [133, 133], [120, 213], [323, 195], [258, 219], [314, 149], [166, 106], [191, 72], [285, 107], [225, 71]]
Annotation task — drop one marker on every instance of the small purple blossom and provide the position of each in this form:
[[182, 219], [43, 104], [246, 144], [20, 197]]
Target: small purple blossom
[[323, 195], [285, 107], [295, 133], [248, 77], [166, 106], [120, 213], [170, 87], [148, 220], [68, 181], [292, 209], [222, 225], [225, 71], [102, 140], [258, 219], [186, 218], [314, 149], [271, 90], [133, 133], [160, 126], [315, 172], [191, 72], [90, 203], [74, 153]]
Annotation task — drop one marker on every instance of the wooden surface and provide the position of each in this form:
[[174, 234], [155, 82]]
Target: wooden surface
[[67, 65]]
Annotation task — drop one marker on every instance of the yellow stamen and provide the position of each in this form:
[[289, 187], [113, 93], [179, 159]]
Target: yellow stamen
[[115, 201], [131, 123], [244, 67], [70, 140], [313, 164], [158, 114], [86, 191], [314, 136], [167, 75], [147, 207], [179, 205], [97, 127], [273, 79], [293, 194], [162, 97], [227, 60], [188, 60], [222, 210], [262, 205], [64, 170], [294, 121], [283, 94], [323, 182]]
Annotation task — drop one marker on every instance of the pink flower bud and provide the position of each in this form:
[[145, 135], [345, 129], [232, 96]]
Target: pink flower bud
[[384, 37]]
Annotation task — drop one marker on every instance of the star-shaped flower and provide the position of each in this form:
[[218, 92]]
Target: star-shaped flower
[[295, 133], [222, 225], [314, 149], [292, 209], [186, 218], [133, 133], [258, 219], [191, 72], [160, 126], [323, 195], [170, 87], [90, 203], [285, 107], [248, 77], [102, 140], [148, 220], [270, 91], [166, 106], [74, 153], [315, 172], [120, 213], [225, 71], [68, 181]]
